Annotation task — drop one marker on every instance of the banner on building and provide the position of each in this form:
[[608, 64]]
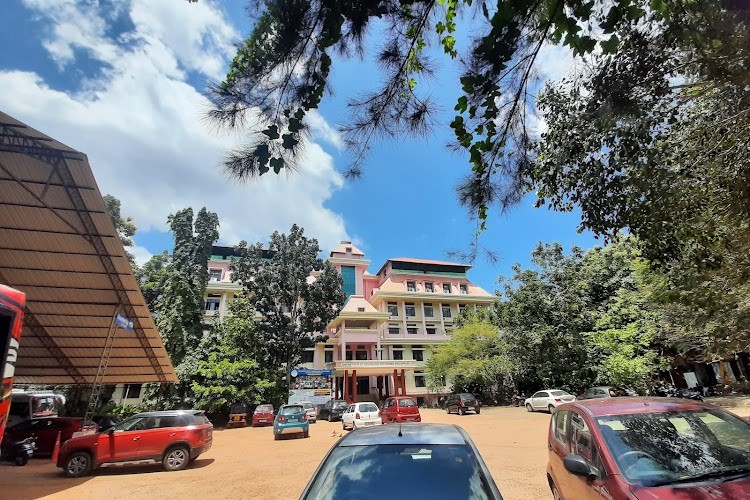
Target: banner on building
[[310, 385]]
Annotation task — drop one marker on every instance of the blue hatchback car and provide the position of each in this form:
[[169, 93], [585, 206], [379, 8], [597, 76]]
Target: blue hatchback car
[[291, 419]]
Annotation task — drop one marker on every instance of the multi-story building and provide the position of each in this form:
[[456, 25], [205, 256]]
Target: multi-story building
[[392, 320]]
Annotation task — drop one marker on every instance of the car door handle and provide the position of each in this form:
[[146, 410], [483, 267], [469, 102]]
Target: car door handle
[[137, 438]]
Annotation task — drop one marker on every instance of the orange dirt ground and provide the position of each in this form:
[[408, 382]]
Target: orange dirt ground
[[248, 463]]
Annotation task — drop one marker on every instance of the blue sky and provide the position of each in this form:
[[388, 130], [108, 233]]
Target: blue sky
[[122, 81]]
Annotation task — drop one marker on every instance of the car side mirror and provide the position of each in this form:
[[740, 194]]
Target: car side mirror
[[110, 430], [576, 464]]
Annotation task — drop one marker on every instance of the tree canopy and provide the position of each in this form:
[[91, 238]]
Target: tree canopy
[[667, 89], [291, 306]]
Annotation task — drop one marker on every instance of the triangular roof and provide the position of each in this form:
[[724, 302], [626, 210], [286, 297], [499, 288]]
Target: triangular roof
[[58, 246], [341, 249]]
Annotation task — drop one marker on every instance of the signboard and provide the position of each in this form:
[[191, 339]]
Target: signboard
[[310, 385]]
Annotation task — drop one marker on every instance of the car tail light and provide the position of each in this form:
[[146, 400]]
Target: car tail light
[[356, 415], [282, 419], [198, 431], [304, 416], [558, 400], [462, 403]]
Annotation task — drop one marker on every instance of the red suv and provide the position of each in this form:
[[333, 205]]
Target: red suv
[[647, 449], [400, 409], [173, 438]]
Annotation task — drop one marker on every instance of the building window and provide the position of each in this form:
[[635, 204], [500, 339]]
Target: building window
[[417, 352], [446, 311], [411, 286], [132, 391], [411, 328], [429, 287], [329, 356], [348, 249], [429, 312], [214, 275], [361, 355], [431, 329], [410, 309], [348, 274], [349, 355], [213, 301], [464, 289], [308, 356], [394, 329], [446, 288], [393, 309], [361, 309], [398, 352], [419, 379], [461, 308]]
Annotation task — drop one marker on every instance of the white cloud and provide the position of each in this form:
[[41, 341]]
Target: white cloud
[[554, 61], [141, 254], [322, 130], [142, 124]]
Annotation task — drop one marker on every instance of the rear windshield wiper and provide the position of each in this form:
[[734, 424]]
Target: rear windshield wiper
[[726, 474]]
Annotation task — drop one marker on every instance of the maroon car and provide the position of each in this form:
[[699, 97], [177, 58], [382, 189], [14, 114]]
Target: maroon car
[[263, 415], [647, 449], [45, 430]]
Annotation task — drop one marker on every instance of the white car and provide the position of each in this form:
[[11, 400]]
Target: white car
[[361, 415], [548, 400], [310, 411]]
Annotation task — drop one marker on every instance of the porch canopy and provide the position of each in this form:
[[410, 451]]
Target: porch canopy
[[59, 246]]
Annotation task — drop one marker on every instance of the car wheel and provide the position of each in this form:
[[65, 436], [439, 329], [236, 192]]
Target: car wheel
[[21, 461], [78, 464], [276, 437], [551, 408], [176, 458], [461, 411], [306, 434], [477, 411], [447, 410], [330, 417], [555, 493], [529, 408]]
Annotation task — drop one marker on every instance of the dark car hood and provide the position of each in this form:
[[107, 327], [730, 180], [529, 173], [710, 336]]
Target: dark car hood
[[735, 490]]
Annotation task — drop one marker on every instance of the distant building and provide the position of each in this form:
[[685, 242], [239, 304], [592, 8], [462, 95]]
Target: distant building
[[379, 343]]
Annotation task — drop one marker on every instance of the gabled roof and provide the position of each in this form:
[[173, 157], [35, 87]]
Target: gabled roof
[[357, 302], [59, 246], [341, 248]]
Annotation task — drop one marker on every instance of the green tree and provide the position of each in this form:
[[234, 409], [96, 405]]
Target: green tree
[[125, 226], [291, 306], [474, 357], [227, 365]]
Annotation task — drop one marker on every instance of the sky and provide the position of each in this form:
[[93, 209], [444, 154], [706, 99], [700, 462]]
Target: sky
[[124, 81]]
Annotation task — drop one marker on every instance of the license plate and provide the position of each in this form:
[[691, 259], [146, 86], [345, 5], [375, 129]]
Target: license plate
[[262, 420], [292, 419], [369, 423]]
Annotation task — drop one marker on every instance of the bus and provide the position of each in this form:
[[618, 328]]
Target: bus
[[12, 303]]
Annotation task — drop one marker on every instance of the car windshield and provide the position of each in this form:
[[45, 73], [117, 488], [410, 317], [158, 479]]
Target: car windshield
[[340, 404], [617, 392], [406, 403], [264, 408], [307, 406], [559, 393], [291, 410], [368, 407], [661, 448], [467, 397], [238, 408], [429, 471]]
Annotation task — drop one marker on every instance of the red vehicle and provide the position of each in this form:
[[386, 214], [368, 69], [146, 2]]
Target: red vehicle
[[45, 430], [263, 415], [12, 303], [173, 438], [400, 409], [647, 449]]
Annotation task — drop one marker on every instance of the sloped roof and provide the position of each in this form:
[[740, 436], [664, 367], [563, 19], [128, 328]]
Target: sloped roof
[[341, 248], [59, 246], [357, 302]]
